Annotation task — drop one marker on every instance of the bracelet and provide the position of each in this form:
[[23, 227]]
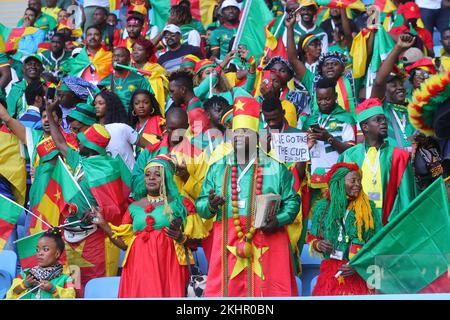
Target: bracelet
[[22, 285], [315, 245]]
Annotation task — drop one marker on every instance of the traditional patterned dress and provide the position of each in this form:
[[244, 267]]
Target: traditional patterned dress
[[269, 271]]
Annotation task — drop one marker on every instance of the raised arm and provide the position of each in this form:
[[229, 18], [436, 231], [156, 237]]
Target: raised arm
[[346, 29], [57, 136], [14, 125], [404, 42], [298, 66]]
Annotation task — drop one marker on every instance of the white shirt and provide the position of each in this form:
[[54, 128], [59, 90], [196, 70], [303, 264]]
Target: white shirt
[[123, 137], [429, 4], [194, 38], [320, 158]]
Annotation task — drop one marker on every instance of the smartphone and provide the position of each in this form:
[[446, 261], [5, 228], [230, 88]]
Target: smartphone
[[51, 92]]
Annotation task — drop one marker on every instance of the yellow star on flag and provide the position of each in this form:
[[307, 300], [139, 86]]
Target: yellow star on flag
[[341, 280], [239, 105], [242, 263], [58, 195], [74, 255], [339, 3]]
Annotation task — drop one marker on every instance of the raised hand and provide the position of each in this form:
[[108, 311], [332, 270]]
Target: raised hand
[[405, 41], [289, 22]]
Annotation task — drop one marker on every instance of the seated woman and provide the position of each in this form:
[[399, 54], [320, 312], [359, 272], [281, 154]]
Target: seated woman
[[154, 231], [342, 223], [46, 280]]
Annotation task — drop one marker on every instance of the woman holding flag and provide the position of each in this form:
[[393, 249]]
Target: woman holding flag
[[154, 231], [342, 223]]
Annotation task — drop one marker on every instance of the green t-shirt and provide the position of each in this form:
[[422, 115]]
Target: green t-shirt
[[124, 87], [15, 101], [52, 65], [44, 22], [221, 37]]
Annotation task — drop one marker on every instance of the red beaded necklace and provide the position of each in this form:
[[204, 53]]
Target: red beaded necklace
[[244, 248]]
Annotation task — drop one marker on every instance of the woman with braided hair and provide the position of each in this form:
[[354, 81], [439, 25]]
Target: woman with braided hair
[[46, 280], [342, 223]]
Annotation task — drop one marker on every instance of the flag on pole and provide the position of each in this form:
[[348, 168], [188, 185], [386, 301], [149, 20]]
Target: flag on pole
[[26, 250], [253, 27], [348, 4], [110, 182], [411, 254], [60, 189], [9, 215], [160, 13]]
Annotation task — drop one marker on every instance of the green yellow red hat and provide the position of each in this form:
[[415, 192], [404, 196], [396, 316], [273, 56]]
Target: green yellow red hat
[[203, 64], [46, 150], [226, 117], [84, 113], [246, 114], [427, 100], [189, 61], [368, 108], [96, 137], [307, 3], [425, 64]]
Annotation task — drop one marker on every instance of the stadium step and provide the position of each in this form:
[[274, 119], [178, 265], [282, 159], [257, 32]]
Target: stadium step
[[12, 11]]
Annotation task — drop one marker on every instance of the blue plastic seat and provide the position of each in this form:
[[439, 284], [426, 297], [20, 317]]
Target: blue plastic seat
[[299, 285], [310, 268], [102, 288], [8, 262], [200, 260], [21, 231], [313, 284], [22, 219], [5, 283]]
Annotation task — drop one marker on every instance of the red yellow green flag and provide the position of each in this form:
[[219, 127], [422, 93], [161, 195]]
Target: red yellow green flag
[[383, 5], [26, 249], [10, 37], [60, 189], [348, 4], [411, 254], [9, 214]]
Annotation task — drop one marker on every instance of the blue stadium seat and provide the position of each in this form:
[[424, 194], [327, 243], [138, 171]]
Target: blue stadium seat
[[313, 284], [310, 268], [5, 283], [299, 285], [102, 288], [22, 218], [21, 231], [200, 260], [8, 262]]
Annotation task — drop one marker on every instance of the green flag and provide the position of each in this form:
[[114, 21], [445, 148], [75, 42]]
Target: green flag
[[9, 214], [412, 252], [26, 249], [161, 12], [253, 33]]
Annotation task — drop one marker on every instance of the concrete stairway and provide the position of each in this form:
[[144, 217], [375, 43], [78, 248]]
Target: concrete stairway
[[12, 11]]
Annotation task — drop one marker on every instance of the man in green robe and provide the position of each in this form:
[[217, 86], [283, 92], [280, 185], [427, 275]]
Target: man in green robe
[[245, 260], [387, 178]]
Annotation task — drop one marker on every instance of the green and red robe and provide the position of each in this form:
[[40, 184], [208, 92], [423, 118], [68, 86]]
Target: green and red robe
[[397, 177], [269, 272], [327, 283]]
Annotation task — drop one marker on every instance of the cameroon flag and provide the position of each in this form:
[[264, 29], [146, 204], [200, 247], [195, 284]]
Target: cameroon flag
[[26, 249], [9, 214], [10, 37], [348, 4], [383, 5], [60, 189], [411, 254]]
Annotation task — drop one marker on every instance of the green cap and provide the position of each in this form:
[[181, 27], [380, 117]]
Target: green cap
[[84, 113], [369, 108], [35, 56]]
